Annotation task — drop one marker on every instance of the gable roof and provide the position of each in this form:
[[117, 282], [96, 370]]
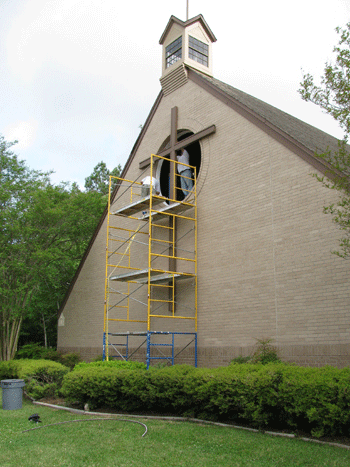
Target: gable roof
[[311, 137], [184, 24], [302, 138]]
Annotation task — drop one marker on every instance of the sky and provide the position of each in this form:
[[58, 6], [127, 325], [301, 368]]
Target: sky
[[79, 77]]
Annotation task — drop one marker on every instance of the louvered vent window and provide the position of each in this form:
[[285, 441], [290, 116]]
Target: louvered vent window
[[198, 51], [173, 52]]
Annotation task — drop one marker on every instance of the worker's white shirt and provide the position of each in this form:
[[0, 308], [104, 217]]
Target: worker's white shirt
[[185, 158]]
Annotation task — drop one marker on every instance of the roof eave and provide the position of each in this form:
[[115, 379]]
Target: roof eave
[[184, 24], [277, 133]]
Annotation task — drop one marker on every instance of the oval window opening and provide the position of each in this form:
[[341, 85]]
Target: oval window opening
[[194, 151]]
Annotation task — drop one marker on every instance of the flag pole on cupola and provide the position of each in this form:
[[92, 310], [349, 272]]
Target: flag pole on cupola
[[187, 10]]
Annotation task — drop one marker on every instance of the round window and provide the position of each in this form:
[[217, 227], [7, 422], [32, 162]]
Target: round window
[[194, 151]]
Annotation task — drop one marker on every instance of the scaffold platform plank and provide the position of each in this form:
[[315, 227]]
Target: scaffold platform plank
[[141, 204], [141, 276], [175, 208], [144, 333]]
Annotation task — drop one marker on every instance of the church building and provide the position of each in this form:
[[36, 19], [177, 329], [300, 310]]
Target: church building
[[216, 236]]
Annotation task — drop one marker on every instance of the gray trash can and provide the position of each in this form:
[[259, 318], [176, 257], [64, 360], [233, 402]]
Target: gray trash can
[[12, 393]]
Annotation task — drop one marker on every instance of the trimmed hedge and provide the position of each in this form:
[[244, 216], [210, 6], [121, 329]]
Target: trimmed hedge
[[43, 377], [113, 364], [315, 400], [38, 352]]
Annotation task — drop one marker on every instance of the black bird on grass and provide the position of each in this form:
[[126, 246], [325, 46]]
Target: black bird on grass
[[35, 418]]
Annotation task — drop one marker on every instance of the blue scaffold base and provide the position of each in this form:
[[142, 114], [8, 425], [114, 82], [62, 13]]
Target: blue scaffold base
[[123, 352]]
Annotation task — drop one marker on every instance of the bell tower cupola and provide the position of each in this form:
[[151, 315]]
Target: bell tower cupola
[[186, 44]]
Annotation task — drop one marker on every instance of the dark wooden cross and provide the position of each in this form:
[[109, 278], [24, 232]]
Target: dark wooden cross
[[176, 145]]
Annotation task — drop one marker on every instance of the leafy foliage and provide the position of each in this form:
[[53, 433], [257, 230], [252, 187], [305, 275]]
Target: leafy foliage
[[333, 95], [98, 181], [45, 231], [8, 370], [42, 377], [334, 92], [264, 352], [121, 364], [337, 178], [37, 352]]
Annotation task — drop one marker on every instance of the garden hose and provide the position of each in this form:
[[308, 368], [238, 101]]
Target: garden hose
[[89, 420]]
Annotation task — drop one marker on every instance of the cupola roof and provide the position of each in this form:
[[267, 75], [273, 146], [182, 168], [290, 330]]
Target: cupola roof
[[184, 24]]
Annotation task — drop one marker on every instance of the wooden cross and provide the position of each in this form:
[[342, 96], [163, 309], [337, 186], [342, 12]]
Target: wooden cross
[[175, 145]]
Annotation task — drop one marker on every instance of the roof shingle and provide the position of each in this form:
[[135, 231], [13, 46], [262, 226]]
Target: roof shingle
[[310, 137]]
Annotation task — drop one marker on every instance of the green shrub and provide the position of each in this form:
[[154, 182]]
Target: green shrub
[[8, 370], [35, 351], [44, 370], [113, 364], [265, 352], [104, 384], [38, 352], [69, 359], [101, 387], [261, 395], [318, 398], [42, 377]]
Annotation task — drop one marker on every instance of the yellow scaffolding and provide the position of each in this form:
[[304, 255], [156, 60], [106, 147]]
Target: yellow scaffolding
[[145, 258]]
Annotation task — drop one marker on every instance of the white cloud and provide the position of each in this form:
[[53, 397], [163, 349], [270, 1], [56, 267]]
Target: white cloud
[[24, 132]]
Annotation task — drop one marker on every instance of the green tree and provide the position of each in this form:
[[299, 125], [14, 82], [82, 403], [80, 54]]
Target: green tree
[[81, 211], [45, 231], [98, 181], [333, 96]]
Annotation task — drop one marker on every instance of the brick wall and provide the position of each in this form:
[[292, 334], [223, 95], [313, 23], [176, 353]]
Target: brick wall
[[265, 268]]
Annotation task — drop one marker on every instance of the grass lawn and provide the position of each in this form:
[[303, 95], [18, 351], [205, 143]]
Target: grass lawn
[[120, 444]]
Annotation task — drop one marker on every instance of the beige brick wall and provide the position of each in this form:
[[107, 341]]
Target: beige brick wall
[[265, 268]]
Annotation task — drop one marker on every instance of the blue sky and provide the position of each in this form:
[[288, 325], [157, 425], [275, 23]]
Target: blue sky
[[78, 77]]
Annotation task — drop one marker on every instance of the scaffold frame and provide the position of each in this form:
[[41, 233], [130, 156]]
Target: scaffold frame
[[147, 342], [147, 215]]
